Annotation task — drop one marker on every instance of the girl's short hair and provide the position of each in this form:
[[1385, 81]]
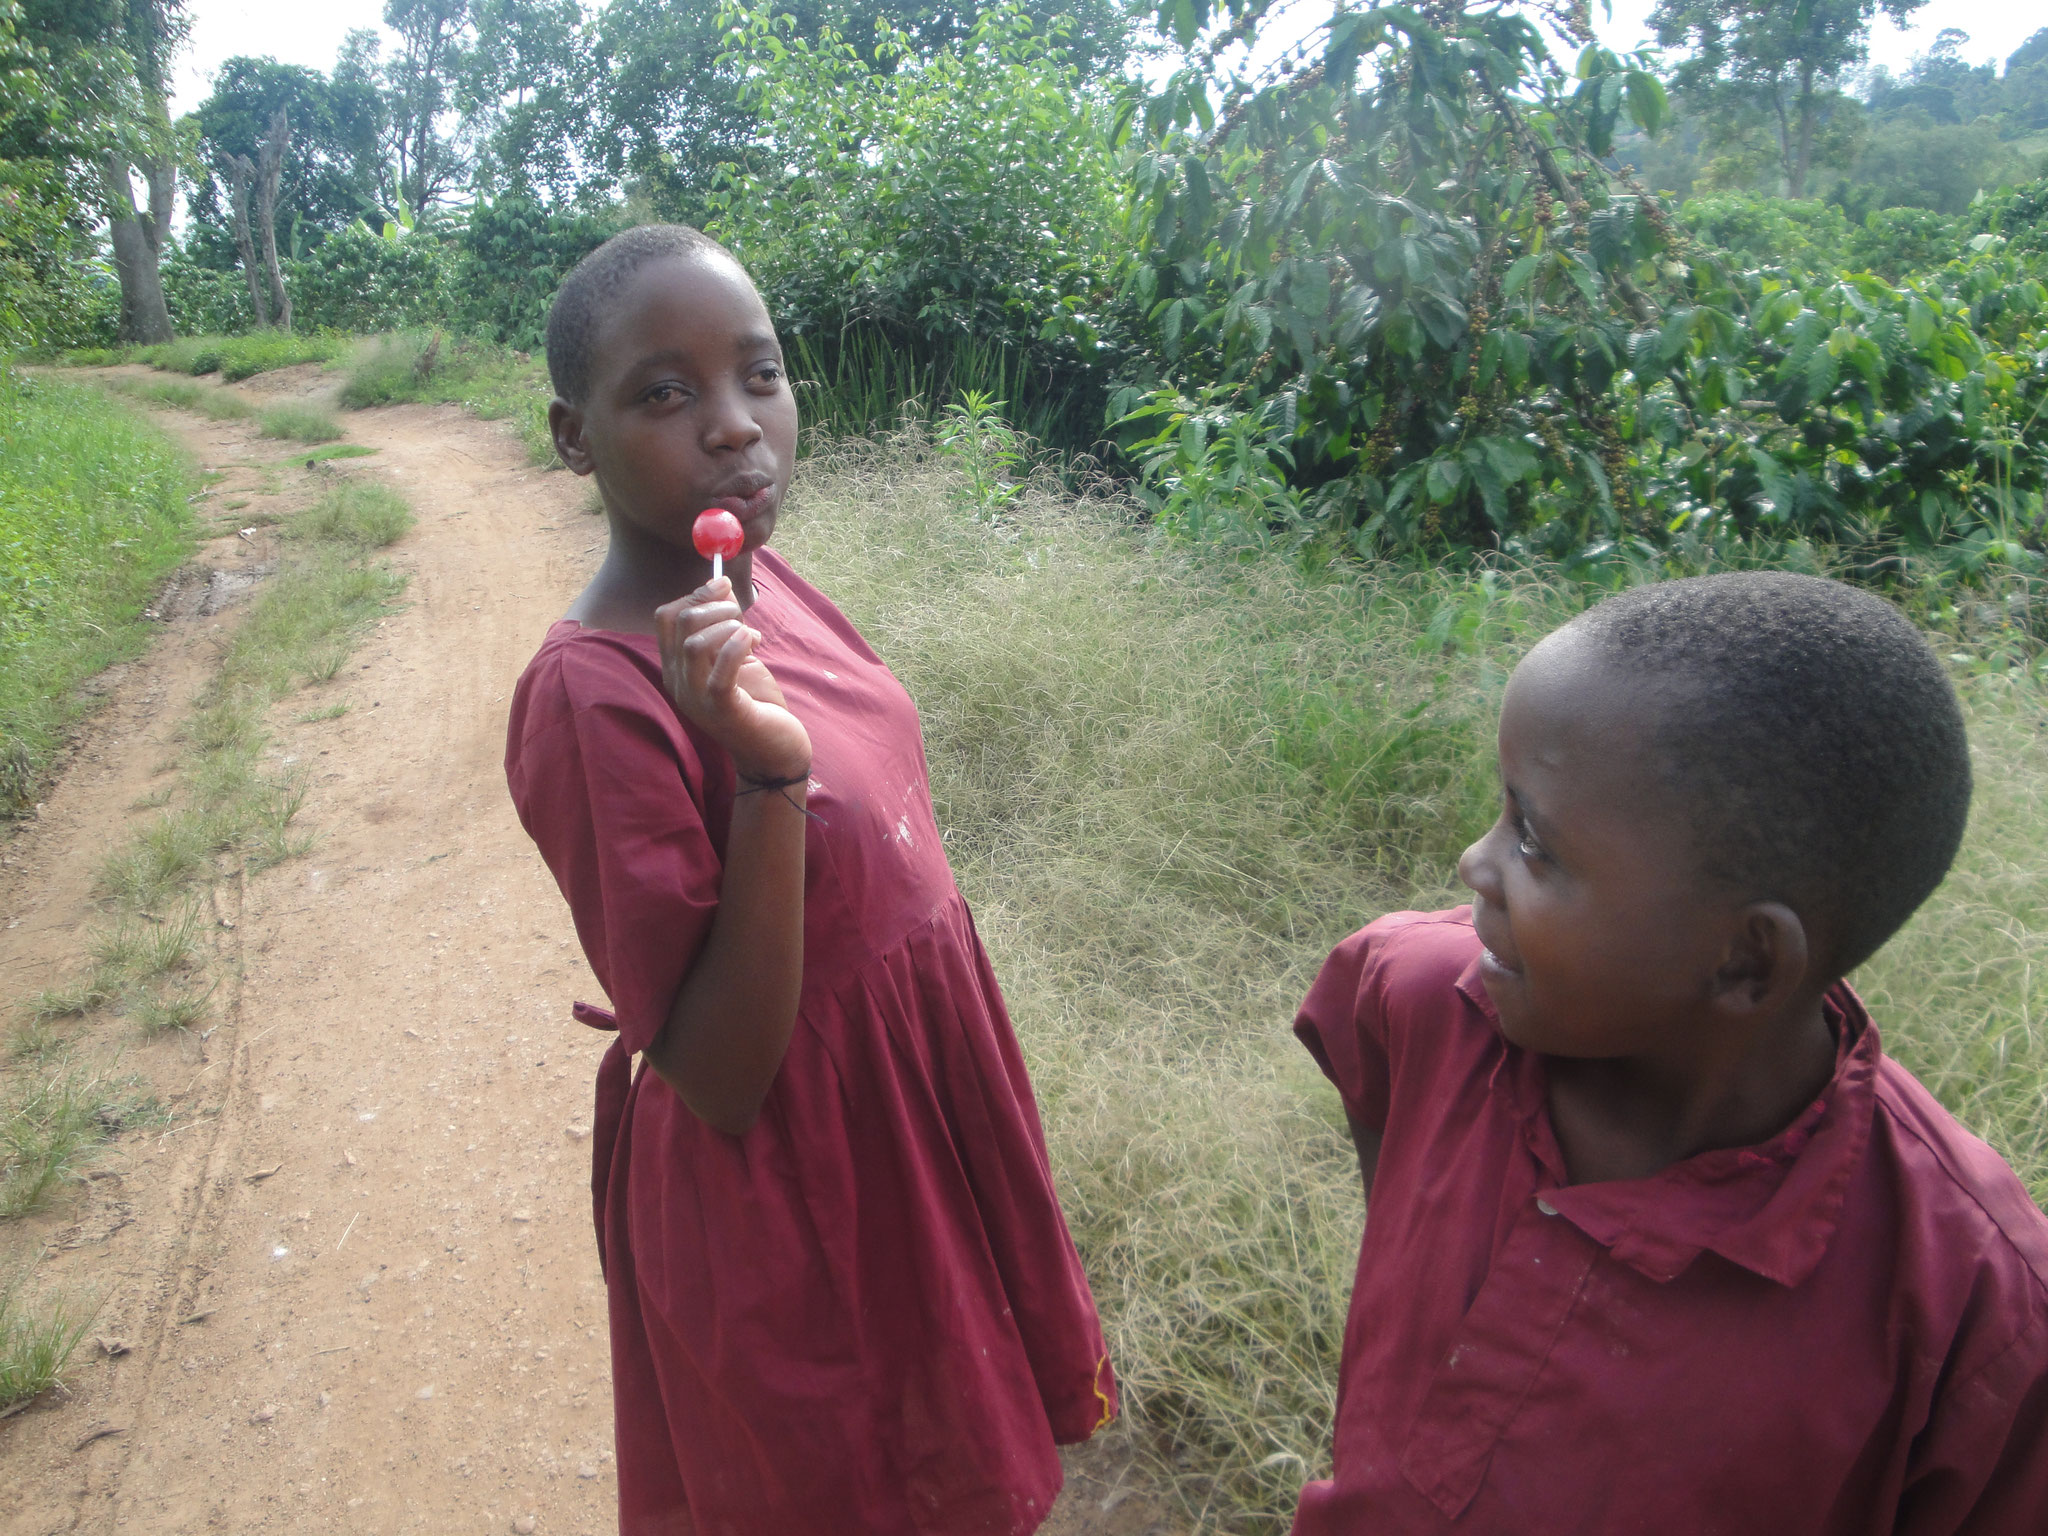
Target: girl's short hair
[[1813, 735], [581, 300]]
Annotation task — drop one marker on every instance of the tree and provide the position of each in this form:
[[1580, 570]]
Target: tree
[[269, 167], [672, 113], [112, 58], [241, 176], [1782, 60], [427, 157], [528, 85], [336, 170]]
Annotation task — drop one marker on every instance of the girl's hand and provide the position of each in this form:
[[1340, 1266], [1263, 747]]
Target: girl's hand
[[709, 668]]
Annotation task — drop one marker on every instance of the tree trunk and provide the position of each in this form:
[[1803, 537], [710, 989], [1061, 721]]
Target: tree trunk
[[137, 238], [1784, 136], [240, 174], [1806, 116], [270, 166]]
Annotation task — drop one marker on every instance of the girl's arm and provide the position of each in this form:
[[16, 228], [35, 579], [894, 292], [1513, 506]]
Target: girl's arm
[[730, 1022]]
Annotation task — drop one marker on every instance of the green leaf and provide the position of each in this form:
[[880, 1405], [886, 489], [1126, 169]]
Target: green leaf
[[1518, 274], [1919, 322], [1444, 478]]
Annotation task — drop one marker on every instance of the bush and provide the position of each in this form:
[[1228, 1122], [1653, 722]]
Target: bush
[[513, 256], [358, 281], [994, 253], [1768, 231], [204, 301]]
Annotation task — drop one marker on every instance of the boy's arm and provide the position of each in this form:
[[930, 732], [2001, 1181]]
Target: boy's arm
[[1367, 1140], [1341, 1023], [1981, 1464]]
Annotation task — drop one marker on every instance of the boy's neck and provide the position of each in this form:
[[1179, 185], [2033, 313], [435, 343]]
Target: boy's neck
[[1630, 1118], [640, 573]]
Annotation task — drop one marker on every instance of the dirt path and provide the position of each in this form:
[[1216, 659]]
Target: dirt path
[[353, 1288]]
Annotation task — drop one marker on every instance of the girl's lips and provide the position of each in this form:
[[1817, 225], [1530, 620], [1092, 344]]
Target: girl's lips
[[748, 507], [1492, 964]]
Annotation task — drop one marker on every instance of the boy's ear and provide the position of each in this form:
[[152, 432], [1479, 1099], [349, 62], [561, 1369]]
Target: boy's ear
[[1767, 960], [565, 426]]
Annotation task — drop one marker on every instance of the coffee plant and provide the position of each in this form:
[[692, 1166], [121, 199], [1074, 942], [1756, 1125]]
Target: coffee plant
[[1410, 275]]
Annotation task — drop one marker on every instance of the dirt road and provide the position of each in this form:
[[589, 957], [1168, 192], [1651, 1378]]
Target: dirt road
[[353, 1286]]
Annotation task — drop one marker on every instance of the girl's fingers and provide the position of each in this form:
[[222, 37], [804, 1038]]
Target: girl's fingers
[[732, 655]]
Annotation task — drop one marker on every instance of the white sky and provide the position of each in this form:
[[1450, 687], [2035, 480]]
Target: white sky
[[295, 33]]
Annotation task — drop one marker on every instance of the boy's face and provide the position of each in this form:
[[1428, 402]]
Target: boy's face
[[1602, 936], [689, 404]]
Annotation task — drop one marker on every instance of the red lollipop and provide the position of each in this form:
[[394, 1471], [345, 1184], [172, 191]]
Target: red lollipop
[[717, 535]]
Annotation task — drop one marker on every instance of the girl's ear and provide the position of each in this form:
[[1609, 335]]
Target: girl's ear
[[565, 426], [1767, 961]]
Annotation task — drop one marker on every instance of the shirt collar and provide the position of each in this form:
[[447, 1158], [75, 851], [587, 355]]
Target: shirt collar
[[1771, 1208]]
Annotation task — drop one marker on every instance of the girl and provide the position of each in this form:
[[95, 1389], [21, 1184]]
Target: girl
[[843, 1298]]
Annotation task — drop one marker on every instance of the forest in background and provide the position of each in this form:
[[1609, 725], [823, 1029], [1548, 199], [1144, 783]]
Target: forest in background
[[1446, 280]]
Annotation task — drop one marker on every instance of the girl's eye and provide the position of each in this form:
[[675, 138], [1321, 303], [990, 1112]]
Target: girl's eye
[[1525, 840], [662, 394]]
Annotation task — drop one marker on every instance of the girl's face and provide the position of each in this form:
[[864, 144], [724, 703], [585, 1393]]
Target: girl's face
[[1602, 936], [689, 406]]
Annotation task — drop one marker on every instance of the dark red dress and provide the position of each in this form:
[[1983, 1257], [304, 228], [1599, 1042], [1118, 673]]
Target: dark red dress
[[864, 1315]]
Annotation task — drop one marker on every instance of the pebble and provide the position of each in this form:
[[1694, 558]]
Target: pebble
[[525, 1525], [264, 1414], [586, 1470]]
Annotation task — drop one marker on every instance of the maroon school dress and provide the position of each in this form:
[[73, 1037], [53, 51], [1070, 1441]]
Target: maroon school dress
[[864, 1315]]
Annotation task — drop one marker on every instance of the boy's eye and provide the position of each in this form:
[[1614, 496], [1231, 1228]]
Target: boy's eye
[[1525, 840], [662, 394]]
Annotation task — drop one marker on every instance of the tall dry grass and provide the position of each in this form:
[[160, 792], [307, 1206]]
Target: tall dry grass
[[1169, 786]]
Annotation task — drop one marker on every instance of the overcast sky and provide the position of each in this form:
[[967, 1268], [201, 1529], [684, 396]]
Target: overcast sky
[[312, 35]]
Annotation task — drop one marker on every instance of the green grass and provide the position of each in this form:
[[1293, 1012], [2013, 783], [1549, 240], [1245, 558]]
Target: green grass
[[52, 1124], [93, 514], [37, 1335], [356, 515], [302, 423], [184, 395], [240, 357], [434, 366], [1169, 786], [331, 451]]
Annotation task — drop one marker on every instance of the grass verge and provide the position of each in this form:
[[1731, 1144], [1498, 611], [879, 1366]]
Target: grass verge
[[37, 1336], [240, 357], [229, 808], [208, 400], [93, 514], [1169, 786], [490, 381], [301, 423]]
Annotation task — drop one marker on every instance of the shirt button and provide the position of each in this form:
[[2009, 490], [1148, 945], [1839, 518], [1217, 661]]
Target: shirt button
[[1545, 1206]]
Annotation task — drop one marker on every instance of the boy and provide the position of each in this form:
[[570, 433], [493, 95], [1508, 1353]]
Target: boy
[[1659, 1240]]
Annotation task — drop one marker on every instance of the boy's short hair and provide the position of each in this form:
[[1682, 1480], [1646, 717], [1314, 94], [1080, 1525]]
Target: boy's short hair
[[597, 278], [1814, 735]]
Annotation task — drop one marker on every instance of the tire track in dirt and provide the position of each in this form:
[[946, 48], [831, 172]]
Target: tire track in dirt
[[402, 1328]]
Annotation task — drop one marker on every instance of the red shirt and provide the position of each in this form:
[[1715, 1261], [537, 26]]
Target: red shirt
[[1843, 1329]]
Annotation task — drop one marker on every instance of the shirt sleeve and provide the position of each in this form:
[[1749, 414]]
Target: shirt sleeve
[[611, 796], [1981, 1467], [1343, 1025]]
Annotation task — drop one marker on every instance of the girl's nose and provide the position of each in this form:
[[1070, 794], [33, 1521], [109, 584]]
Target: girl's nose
[[731, 423], [1476, 867]]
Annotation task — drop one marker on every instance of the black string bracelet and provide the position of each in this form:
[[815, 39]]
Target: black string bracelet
[[783, 788]]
